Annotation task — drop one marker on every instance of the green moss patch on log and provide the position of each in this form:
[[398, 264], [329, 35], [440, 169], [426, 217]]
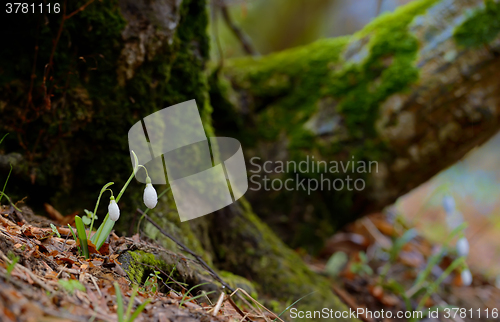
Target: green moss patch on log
[[139, 264], [481, 27], [358, 72]]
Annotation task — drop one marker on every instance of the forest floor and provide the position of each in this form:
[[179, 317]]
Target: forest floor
[[43, 278], [390, 266], [375, 263]]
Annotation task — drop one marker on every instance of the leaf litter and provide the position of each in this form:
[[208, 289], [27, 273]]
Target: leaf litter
[[43, 278]]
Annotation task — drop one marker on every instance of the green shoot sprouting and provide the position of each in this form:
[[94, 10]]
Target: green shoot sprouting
[[75, 238], [3, 138], [107, 225], [5, 184], [125, 316], [13, 261], [184, 300], [82, 236], [72, 285], [10, 201], [55, 231]]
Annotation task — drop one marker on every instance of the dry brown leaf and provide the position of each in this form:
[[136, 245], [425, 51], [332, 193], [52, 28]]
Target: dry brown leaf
[[53, 213]]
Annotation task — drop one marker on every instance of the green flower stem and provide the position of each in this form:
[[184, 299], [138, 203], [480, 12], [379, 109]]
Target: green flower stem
[[5, 184], [431, 289], [96, 239], [147, 175], [97, 204], [10, 201], [80, 229]]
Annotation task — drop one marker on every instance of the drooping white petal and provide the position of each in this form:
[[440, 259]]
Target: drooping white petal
[[466, 277], [462, 247], [150, 196], [114, 211], [449, 204]]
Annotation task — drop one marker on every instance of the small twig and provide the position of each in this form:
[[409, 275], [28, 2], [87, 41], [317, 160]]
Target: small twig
[[382, 240], [219, 304], [351, 303], [95, 284], [240, 312], [379, 7], [253, 300], [79, 9], [245, 41]]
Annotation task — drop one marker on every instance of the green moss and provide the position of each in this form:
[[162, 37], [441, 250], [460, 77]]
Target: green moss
[[285, 87], [138, 266], [481, 26], [236, 281]]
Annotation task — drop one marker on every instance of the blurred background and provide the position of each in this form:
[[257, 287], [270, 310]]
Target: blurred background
[[474, 182], [280, 24]]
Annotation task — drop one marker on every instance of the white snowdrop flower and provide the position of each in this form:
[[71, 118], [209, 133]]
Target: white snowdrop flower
[[150, 196], [462, 247], [114, 211], [449, 204], [466, 277]]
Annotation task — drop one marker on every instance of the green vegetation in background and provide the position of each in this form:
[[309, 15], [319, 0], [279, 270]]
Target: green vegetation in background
[[481, 27], [349, 77]]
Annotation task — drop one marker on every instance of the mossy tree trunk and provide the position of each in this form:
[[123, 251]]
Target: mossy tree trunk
[[414, 91], [403, 92]]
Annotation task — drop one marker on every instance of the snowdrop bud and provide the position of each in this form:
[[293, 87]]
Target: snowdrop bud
[[466, 277], [114, 211], [449, 204], [462, 247], [150, 196]]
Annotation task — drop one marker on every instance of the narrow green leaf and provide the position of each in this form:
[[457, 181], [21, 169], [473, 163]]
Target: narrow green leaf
[[106, 228], [401, 241], [10, 201], [74, 237], [195, 297], [3, 138], [189, 291], [431, 289], [139, 310], [82, 236], [5, 184], [434, 259], [97, 205], [292, 305], [119, 302], [130, 303]]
